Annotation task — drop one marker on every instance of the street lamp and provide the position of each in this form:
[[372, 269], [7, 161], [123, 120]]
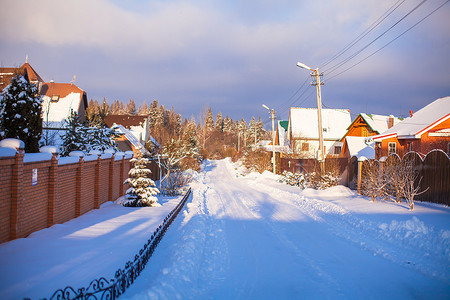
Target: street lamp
[[315, 73], [272, 116]]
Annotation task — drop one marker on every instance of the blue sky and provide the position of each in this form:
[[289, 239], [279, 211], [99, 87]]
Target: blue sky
[[233, 56]]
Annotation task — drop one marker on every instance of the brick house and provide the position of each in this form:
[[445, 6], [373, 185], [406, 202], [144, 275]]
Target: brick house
[[425, 130], [365, 125]]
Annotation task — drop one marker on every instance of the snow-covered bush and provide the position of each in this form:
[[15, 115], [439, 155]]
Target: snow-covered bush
[[257, 160], [20, 113], [142, 191], [176, 183], [310, 180]]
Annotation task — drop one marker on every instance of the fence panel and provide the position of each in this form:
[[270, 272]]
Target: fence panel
[[436, 177]]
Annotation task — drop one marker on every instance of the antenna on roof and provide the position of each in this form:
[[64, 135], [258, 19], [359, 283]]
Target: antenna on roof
[[73, 79]]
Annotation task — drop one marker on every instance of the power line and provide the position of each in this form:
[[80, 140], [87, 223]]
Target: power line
[[365, 32], [372, 54], [337, 66]]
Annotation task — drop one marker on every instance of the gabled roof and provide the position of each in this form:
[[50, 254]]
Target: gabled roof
[[26, 70], [32, 74], [303, 123], [125, 120], [378, 123], [421, 122], [59, 89]]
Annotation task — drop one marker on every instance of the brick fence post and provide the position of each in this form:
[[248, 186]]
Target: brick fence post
[[78, 188], [122, 177], [16, 193], [111, 178], [52, 190], [97, 184]]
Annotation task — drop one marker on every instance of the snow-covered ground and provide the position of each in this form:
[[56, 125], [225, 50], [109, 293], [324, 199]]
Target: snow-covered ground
[[246, 237]]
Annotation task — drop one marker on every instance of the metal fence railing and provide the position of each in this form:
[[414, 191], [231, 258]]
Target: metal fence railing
[[102, 288]]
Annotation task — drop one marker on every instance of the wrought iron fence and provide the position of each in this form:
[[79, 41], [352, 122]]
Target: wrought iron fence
[[102, 288]]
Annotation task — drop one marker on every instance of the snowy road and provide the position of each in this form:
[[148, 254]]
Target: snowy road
[[253, 238]]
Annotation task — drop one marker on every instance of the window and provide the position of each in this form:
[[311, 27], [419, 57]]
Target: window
[[337, 149], [365, 133], [305, 147], [55, 98], [392, 148]]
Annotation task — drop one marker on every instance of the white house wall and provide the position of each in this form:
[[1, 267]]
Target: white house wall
[[56, 113]]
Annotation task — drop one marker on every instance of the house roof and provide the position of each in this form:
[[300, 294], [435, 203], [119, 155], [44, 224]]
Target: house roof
[[32, 74], [421, 122], [6, 74], [59, 89], [303, 123], [357, 147], [378, 123], [126, 121]]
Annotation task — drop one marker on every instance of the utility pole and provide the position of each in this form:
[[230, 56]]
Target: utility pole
[[317, 82], [272, 116]]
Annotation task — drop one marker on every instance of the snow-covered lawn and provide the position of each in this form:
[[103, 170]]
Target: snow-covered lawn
[[246, 237]]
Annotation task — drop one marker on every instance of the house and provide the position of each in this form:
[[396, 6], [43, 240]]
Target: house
[[303, 135], [364, 125], [59, 100], [135, 131], [425, 130], [26, 70]]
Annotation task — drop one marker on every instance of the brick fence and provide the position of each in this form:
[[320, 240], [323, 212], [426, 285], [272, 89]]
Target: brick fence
[[38, 194]]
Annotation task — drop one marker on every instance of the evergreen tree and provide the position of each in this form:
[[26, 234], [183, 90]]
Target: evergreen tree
[[74, 138], [209, 120], [219, 122], [114, 108], [20, 113], [142, 191], [122, 110], [227, 125], [251, 132], [131, 108]]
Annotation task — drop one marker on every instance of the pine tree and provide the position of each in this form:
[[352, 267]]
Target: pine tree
[[142, 191], [114, 108], [219, 122], [227, 125], [75, 138], [20, 113], [209, 121], [131, 108]]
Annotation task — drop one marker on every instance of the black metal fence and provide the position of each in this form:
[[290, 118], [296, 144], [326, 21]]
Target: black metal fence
[[102, 288]]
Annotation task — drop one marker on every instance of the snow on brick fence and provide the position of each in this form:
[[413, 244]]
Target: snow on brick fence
[[39, 190]]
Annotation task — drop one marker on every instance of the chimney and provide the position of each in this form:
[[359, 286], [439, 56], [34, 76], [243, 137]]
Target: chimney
[[411, 113], [391, 121]]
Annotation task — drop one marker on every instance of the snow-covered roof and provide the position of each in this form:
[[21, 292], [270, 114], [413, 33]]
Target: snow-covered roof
[[131, 137], [379, 123], [422, 121], [303, 123], [58, 101], [357, 147]]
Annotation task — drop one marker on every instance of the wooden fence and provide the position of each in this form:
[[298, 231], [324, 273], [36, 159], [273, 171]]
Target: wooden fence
[[433, 174], [434, 169]]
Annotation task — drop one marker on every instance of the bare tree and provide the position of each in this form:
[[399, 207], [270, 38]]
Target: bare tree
[[410, 182], [372, 180]]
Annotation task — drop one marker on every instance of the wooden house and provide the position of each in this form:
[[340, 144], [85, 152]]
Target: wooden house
[[364, 125], [425, 130]]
